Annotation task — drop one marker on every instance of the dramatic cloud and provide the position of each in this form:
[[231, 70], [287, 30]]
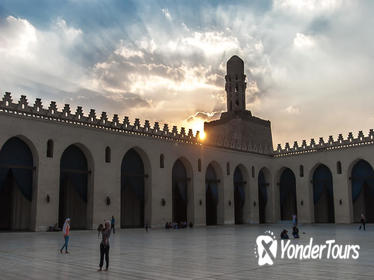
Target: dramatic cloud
[[292, 110], [40, 64], [302, 41], [17, 38], [205, 116], [167, 14], [307, 6], [307, 62]]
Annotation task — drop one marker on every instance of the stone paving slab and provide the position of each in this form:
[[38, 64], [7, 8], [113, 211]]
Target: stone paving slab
[[218, 252]]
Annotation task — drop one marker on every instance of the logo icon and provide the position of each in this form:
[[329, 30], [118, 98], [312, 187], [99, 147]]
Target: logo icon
[[267, 245], [266, 248]]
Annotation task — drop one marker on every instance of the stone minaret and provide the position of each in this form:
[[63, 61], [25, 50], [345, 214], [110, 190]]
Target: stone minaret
[[235, 85], [237, 127]]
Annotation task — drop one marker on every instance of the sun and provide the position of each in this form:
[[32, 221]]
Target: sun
[[202, 135], [198, 125]]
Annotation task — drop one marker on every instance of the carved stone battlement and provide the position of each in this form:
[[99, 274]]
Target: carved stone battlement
[[37, 111], [77, 118], [313, 147], [22, 108]]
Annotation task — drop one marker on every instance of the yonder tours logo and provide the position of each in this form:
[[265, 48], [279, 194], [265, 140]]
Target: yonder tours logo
[[266, 250]]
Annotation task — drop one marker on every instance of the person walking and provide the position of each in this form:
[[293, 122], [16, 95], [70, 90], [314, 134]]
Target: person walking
[[363, 221], [112, 222], [66, 230], [104, 246]]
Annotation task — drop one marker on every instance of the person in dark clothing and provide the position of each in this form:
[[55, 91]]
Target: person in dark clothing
[[295, 232], [146, 227], [112, 222], [104, 246], [99, 230], [284, 234], [363, 222]]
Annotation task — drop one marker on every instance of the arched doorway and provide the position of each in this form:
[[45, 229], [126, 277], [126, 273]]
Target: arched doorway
[[211, 197], [262, 196], [16, 185], [239, 195], [74, 176], [323, 195], [287, 190], [179, 192], [363, 191], [132, 190]]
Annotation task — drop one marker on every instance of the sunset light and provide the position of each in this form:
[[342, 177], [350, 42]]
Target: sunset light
[[197, 125], [186, 139], [202, 135]]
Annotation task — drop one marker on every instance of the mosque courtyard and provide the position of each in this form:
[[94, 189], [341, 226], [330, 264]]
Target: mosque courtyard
[[218, 252]]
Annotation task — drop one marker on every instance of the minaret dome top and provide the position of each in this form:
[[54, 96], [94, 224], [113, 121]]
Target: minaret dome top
[[235, 65]]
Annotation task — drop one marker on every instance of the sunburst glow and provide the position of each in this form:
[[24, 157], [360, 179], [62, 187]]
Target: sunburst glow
[[164, 62], [198, 125]]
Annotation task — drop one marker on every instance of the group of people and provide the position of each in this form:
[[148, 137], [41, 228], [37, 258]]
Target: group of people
[[295, 233], [103, 230], [295, 230], [109, 226], [177, 225], [54, 228]]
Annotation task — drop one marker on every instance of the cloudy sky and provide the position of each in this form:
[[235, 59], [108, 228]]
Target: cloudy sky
[[308, 62]]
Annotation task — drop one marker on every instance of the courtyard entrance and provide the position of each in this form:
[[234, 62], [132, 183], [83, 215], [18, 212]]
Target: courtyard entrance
[[287, 190], [239, 195], [74, 175], [323, 195], [132, 190], [211, 196], [262, 196], [16, 185], [179, 192], [363, 191]]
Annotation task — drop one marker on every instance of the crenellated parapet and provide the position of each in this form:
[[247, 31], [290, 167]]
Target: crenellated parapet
[[330, 144], [102, 121], [92, 120]]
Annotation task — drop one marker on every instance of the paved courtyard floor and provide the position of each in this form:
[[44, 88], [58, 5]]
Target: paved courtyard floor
[[221, 252]]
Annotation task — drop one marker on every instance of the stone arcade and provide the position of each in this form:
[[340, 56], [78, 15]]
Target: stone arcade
[[55, 164]]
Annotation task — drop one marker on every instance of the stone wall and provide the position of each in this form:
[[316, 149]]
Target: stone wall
[[36, 125], [241, 130]]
